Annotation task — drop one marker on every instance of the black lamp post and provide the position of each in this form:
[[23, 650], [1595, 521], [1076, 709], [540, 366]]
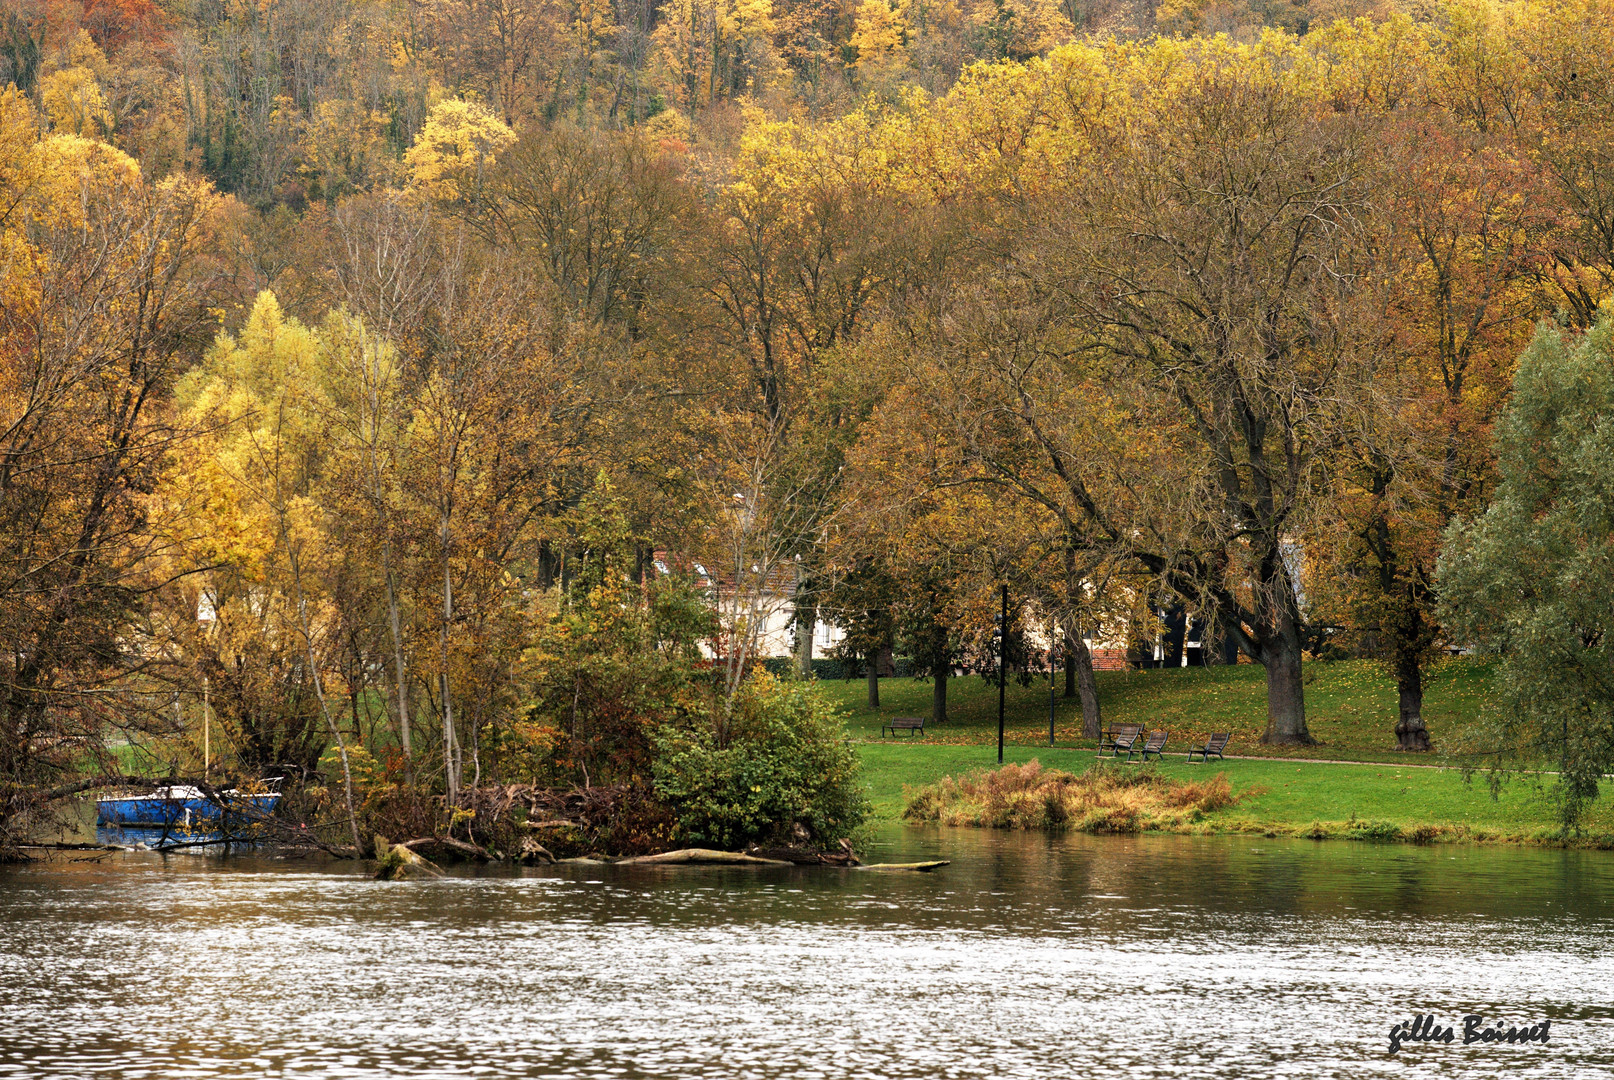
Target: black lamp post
[[1003, 641], [1052, 631]]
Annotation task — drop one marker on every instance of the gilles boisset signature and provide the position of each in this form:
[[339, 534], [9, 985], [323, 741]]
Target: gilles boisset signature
[[1422, 1028]]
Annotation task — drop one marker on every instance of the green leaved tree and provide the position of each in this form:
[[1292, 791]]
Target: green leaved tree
[[1529, 580]]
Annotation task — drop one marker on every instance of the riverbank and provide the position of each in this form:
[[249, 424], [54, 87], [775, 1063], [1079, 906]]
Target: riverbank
[[1281, 798]]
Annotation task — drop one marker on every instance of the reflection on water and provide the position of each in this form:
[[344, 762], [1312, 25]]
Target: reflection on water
[[171, 838], [1072, 957]]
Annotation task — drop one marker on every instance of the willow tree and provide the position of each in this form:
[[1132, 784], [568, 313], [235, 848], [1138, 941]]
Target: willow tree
[[1528, 580]]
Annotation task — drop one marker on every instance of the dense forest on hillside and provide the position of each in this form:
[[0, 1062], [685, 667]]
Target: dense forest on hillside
[[438, 394]]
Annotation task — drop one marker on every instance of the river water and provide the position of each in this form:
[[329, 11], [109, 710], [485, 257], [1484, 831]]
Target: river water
[[1027, 957]]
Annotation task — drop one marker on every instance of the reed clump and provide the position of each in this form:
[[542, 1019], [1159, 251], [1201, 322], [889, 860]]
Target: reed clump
[[1101, 800]]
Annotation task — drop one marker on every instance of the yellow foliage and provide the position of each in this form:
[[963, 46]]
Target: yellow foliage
[[456, 149], [878, 35], [74, 102]]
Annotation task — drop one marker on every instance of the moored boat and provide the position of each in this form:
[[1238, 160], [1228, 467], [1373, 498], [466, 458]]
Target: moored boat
[[183, 806]]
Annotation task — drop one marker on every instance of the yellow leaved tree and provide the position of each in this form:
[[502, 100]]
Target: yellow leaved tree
[[456, 150]]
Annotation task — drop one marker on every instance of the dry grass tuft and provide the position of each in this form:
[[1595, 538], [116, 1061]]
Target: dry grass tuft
[[1101, 800]]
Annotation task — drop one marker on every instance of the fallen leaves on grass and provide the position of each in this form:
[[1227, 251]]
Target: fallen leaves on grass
[[1101, 800]]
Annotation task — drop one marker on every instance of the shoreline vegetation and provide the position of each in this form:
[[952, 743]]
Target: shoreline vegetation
[[1349, 786], [1278, 798]]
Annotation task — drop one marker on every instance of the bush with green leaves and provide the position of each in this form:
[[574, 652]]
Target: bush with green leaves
[[778, 759]]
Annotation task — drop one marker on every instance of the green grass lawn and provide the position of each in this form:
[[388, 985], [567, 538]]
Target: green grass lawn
[[1350, 707], [1290, 795]]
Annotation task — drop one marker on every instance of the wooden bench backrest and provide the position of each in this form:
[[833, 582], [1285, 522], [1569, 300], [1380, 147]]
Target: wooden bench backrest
[[1219, 741], [1157, 739]]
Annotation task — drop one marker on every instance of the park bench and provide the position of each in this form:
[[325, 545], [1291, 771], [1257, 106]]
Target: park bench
[[1213, 745], [915, 724], [1156, 744], [1125, 738]]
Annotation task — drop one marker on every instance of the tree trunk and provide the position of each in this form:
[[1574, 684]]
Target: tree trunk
[[804, 641], [806, 617], [1286, 696], [319, 690], [1092, 719], [1410, 733], [1078, 657], [938, 693], [398, 660], [873, 666], [451, 757]]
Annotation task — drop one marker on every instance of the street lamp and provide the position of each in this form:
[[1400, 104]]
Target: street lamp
[[1052, 631], [1003, 641]]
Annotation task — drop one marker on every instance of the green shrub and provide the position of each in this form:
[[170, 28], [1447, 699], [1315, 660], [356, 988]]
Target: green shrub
[[779, 769]]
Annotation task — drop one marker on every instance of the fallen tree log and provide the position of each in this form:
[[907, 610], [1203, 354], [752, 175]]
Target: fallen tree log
[[700, 857], [398, 863], [806, 856], [532, 851], [920, 866], [73, 847], [459, 847]]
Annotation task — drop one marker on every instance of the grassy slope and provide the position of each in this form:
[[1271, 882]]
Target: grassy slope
[[1292, 794], [1350, 707]]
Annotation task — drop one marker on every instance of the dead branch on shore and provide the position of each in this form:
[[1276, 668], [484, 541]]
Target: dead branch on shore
[[700, 856]]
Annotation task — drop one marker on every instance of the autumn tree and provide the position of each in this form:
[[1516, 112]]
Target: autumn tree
[[1226, 262], [102, 305], [1469, 225]]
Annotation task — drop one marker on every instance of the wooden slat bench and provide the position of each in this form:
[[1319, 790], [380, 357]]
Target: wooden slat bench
[[1213, 745], [915, 724], [1155, 744], [1125, 738]]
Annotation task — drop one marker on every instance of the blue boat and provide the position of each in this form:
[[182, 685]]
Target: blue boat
[[181, 807]]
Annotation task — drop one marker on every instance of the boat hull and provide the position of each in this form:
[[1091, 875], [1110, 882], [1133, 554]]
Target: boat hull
[[183, 813]]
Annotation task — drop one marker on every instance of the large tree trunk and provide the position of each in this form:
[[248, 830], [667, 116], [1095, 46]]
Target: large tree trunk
[[1078, 657], [938, 693], [1410, 733], [1286, 695], [873, 666], [1082, 666]]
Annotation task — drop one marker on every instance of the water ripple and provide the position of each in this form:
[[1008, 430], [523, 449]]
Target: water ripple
[[1149, 957]]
